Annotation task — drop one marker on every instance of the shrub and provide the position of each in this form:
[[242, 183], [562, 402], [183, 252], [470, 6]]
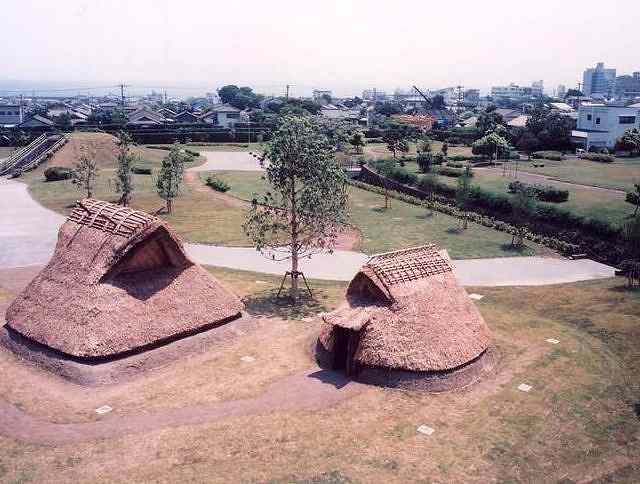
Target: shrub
[[217, 184], [601, 158], [544, 193], [57, 173], [429, 184], [389, 169], [193, 153], [458, 158], [452, 172], [141, 170], [548, 155], [455, 164]]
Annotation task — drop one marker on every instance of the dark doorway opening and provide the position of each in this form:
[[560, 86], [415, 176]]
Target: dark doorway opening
[[345, 345]]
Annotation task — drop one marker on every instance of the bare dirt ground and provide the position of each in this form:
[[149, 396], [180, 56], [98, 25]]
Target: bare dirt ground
[[100, 146]]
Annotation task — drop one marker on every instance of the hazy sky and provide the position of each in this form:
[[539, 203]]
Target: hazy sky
[[340, 45]]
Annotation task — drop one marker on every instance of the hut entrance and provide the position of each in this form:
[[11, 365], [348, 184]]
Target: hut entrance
[[346, 343]]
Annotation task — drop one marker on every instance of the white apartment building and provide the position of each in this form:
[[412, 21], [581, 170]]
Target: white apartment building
[[601, 126], [515, 91]]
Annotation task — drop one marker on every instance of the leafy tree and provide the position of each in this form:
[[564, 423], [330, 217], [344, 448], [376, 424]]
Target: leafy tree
[[634, 198], [395, 140], [228, 93], [125, 161], [85, 174], [306, 206], [118, 117], [490, 145], [629, 141], [63, 121], [424, 146], [552, 129], [463, 195], [425, 161], [327, 98], [403, 147], [357, 141], [489, 119], [445, 148], [522, 206], [171, 175], [528, 143]]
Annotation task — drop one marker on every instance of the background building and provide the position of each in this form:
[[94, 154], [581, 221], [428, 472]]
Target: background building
[[599, 81], [513, 91], [11, 114], [600, 125], [628, 86]]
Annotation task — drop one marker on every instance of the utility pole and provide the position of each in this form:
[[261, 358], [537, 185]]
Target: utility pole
[[122, 86], [287, 94]]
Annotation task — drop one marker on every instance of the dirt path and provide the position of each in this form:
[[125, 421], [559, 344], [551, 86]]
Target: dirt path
[[311, 390]]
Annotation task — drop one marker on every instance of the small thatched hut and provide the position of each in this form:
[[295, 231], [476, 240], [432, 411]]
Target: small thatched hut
[[407, 323], [119, 283]]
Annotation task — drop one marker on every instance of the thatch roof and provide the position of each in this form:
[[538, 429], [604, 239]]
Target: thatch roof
[[410, 313], [119, 281]]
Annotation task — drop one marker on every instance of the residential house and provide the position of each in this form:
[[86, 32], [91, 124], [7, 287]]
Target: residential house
[[166, 113], [186, 117], [37, 121], [601, 125], [146, 117], [11, 114], [223, 115]]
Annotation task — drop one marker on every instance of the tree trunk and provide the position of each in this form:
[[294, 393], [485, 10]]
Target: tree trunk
[[294, 243], [169, 205]]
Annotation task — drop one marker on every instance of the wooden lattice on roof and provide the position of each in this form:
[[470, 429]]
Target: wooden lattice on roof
[[408, 264], [109, 218]]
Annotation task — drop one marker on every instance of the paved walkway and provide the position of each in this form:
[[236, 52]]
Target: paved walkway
[[28, 234], [228, 160]]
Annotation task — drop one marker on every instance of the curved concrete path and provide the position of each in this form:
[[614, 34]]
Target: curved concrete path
[[28, 234]]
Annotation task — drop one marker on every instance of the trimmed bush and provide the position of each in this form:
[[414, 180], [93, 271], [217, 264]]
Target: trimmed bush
[[141, 170], [452, 172], [601, 158], [548, 155], [217, 184], [57, 173]]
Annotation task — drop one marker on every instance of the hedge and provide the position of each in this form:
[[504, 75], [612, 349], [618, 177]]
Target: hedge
[[544, 193], [547, 155], [452, 172], [601, 158], [57, 173]]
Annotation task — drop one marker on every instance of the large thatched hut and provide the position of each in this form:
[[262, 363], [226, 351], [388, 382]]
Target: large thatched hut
[[407, 323], [119, 283]]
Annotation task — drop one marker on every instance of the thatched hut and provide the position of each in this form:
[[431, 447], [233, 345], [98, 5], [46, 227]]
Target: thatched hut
[[407, 323], [119, 283]]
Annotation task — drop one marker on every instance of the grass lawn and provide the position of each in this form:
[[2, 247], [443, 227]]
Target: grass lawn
[[577, 424], [379, 150], [583, 201], [5, 152], [621, 174], [402, 225]]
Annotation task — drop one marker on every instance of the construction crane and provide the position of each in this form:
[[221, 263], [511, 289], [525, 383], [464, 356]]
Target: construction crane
[[429, 102]]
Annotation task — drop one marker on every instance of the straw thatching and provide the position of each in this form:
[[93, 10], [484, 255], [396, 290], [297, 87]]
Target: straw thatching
[[119, 282], [405, 312]]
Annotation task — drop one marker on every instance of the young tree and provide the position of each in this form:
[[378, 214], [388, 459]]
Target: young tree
[[307, 205], [490, 145], [424, 146], [445, 148], [522, 205], [629, 141], [85, 174], [394, 139], [488, 120], [357, 141], [425, 161], [634, 198], [403, 147], [170, 177], [125, 160], [528, 143], [463, 195]]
